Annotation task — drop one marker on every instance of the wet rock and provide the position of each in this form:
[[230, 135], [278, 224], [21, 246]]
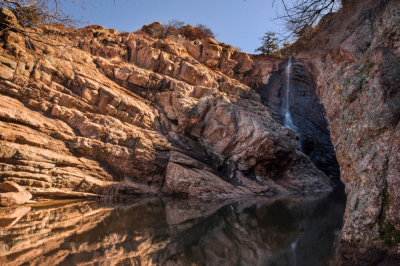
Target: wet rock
[[313, 129]]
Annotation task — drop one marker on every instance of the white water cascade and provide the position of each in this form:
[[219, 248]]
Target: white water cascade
[[292, 257], [288, 117]]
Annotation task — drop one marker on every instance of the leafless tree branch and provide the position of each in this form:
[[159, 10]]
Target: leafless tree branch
[[300, 15]]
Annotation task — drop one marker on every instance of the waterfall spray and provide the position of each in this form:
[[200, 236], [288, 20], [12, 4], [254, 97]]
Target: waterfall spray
[[288, 117]]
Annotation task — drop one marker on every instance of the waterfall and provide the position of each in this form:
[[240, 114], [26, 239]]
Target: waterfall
[[288, 117], [292, 257]]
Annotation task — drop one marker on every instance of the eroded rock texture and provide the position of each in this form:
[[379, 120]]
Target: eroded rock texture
[[98, 108], [357, 70], [12, 194]]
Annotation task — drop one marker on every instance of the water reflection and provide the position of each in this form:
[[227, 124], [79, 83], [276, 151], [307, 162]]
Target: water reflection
[[297, 230]]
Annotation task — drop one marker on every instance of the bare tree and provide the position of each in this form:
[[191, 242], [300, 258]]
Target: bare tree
[[31, 13], [175, 23], [301, 15], [207, 30]]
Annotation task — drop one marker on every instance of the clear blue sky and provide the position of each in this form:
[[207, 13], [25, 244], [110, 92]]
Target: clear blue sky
[[236, 22]]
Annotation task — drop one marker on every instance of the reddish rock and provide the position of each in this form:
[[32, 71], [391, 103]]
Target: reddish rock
[[357, 78], [147, 113], [9, 186], [10, 216], [13, 194], [6, 73], [178, 115], [14, 198]]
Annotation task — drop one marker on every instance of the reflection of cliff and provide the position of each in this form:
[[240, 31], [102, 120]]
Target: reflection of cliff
[[290, 231], [174, 232], [243, 233], [36, 235]]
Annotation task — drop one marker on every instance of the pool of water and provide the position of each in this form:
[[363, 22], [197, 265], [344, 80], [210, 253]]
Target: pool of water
[[292, 230]]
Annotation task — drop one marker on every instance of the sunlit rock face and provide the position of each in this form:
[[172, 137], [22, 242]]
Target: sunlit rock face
[[357, 73], [100, 109], [275, 231], [12, 194]]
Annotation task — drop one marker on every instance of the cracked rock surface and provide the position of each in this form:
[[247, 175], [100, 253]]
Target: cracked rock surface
[[92, 108]]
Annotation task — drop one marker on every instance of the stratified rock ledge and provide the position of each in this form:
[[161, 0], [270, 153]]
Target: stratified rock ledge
[[95, 112]]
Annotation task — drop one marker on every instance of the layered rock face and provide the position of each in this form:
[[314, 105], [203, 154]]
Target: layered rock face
[[99, 109], [357, 71], [88, 109]]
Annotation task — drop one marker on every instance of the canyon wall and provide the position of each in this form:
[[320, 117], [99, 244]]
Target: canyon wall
[[92, 112], [99, 111], [355, 60]]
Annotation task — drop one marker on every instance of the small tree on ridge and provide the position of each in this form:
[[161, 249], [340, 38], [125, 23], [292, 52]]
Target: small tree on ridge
[[269, 44]]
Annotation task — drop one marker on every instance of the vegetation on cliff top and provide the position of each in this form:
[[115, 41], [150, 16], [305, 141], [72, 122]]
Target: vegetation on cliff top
[[269, 44], [175, 28], [300, 15], [31, 13], [302, 19]]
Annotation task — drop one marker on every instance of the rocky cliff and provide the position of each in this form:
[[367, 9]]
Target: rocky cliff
[[88, 111], [355, 61], [92, 111]]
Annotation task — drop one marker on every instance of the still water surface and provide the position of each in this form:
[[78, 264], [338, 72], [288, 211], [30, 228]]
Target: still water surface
[[295, 230]]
